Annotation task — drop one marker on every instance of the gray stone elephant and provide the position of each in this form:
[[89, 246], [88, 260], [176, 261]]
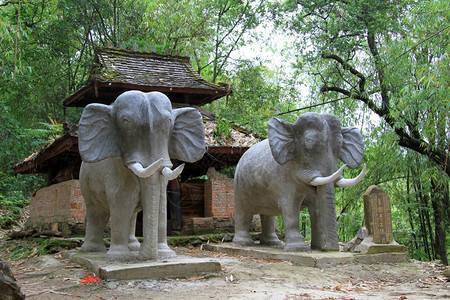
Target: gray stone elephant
[[296, 166], [126, 149]]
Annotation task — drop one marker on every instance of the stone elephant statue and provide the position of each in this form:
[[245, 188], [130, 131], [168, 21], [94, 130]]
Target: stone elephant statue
[[126, 149], [296, 166]]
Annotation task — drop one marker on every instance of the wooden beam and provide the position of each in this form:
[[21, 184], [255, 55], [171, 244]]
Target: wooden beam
[[65, 143], [227, 150]]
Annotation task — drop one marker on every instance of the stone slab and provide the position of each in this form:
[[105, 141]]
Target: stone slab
[[317, 259], [180, 266], [367, 246]]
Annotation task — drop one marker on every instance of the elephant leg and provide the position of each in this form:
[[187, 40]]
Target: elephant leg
[[123, 203], [120, 225], [295, 241], [242, 221], [268, 236], [133, 243], [163, 249], [96, 219]]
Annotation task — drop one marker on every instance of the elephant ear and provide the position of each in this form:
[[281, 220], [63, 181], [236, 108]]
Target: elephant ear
[[187, 139], [97, 139], [352, 147], [281, 140]]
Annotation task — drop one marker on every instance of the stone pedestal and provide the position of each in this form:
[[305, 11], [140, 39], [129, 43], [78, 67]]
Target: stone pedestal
[[318, 259], [180, 266]]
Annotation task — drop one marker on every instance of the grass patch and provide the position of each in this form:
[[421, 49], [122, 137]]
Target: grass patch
[[31, 247]]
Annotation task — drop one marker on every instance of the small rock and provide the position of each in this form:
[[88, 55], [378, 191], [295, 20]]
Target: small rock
[[8, 286], [111, 285], [447, 272], [48, 262], [354, 243]]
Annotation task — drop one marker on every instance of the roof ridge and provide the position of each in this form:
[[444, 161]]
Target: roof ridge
[[118, 51]]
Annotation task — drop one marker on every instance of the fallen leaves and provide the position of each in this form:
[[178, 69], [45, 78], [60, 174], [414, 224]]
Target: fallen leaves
[[53, 292], [195, 278], [351, 287]]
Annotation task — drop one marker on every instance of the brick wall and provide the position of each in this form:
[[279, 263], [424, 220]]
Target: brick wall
[[58, 207], [219, 198], [61, 207]]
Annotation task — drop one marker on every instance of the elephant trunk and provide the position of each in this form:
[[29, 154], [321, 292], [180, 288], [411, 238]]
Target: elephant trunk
[[150, 189], [154, 205], [323, 220]]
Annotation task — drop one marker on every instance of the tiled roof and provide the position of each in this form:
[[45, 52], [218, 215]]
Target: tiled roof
[[150, 69], [238, 140], [116, 71]]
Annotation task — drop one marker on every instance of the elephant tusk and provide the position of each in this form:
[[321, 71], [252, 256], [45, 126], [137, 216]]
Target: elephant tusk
[[343, 182], [142, 172], [324, 180], [169, 174]]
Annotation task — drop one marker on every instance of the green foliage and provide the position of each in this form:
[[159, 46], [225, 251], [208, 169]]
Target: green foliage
[[280, 224], [258, 94], [384, 65], [211, 31], [228, 171], [304, 224], [21, 251], [392, 81], [31, 247], [223, 129], [50, 246], [47, 53]]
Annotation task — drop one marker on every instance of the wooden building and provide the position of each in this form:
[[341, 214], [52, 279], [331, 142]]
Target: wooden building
[[207, 205]]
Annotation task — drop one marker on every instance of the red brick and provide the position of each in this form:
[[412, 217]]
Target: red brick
[[219, 198], [57, 203]]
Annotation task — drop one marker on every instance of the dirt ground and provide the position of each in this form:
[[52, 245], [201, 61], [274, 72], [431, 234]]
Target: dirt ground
[[53, 277]]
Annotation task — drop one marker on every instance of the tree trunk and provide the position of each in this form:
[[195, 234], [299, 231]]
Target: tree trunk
[[418, 190], [439, 200], [410, 218]]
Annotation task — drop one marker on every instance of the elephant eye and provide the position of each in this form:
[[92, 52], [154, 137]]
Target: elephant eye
[[309, 142], [167, 122], [125, 121]]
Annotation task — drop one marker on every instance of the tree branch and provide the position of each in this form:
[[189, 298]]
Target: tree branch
[[379, 67], [347, 66], [413, 142], [311, 106]]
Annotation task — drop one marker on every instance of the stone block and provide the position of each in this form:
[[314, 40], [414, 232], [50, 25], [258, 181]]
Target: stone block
[[180, 266], [377, 215]]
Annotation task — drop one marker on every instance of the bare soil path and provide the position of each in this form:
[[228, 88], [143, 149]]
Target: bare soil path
[[53, 277]]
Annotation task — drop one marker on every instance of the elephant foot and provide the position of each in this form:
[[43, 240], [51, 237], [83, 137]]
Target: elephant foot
[[165, 252], [134, 246], [271, 241], [327, 247], [93, 247], [243, 239], [243, 242], [120, 256], [300, 246]]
